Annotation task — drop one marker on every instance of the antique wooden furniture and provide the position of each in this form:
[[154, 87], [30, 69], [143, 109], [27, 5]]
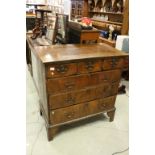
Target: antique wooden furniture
[[79, 8], [31, 16], [119, 19], [40, 22], [105, 13], [30, 22], [75, 81], [108, 8], [62, 28], [77, 35]]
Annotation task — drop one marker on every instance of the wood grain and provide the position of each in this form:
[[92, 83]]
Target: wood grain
[[81, 110]]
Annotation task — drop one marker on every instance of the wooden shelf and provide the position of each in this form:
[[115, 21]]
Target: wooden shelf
[[30, 15], [113, 13], [119, 21], [109, 22], [43, 10], [79, 6], [35, 4]]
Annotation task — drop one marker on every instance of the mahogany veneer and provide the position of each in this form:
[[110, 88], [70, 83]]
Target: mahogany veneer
[[75, 81]]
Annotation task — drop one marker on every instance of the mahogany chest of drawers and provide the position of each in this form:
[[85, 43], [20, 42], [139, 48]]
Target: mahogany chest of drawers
[[75, 81]]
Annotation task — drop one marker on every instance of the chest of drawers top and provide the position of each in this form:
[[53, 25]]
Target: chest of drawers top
[[73, 52]]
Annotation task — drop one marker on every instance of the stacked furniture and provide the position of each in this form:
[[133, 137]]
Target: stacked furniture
[[31, 16], [103, 14], [78, 35]]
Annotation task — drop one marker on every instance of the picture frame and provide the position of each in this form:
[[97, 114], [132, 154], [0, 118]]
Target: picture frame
[[51, 27], [38, 14], [51, 21], [61, 28]]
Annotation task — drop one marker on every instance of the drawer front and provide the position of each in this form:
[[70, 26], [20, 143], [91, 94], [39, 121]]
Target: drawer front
[[108, 89], [66, 84], [67, 99], [110, 76], [61, 85], [89, 66], [106, 104], [81, 110], [113, 63], [85, 95], [126, 62], [59, 70]]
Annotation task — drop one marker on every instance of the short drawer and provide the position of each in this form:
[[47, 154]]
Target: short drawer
[[113, 63], [59, 70], [81, 110], [89, 66], [60, 85]]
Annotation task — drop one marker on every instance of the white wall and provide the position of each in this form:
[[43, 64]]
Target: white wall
[[36, 1], [67, 7], [66, 4]]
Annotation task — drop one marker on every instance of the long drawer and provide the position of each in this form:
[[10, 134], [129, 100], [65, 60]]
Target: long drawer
[[89, 94], [71, 83], [81, 110]]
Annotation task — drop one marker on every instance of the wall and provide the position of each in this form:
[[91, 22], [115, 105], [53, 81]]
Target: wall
[[36, 1], [64, 4], [67, 7]]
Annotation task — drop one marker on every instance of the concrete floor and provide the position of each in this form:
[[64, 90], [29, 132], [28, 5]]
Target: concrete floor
[[94, 136]]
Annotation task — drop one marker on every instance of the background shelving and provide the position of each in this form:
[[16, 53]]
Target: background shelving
[[79, 8], [109, 12]]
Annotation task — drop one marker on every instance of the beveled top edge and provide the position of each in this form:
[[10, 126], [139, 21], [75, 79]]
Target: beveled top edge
[[73, 52]]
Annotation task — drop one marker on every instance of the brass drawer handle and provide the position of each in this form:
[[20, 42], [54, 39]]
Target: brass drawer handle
[[103, 105], [106, 91], [114, 62], [90, 66], [62, 68], [69, 115], [106, 77], [86, 106], [105, 88], [69, 85], [70, 100]]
